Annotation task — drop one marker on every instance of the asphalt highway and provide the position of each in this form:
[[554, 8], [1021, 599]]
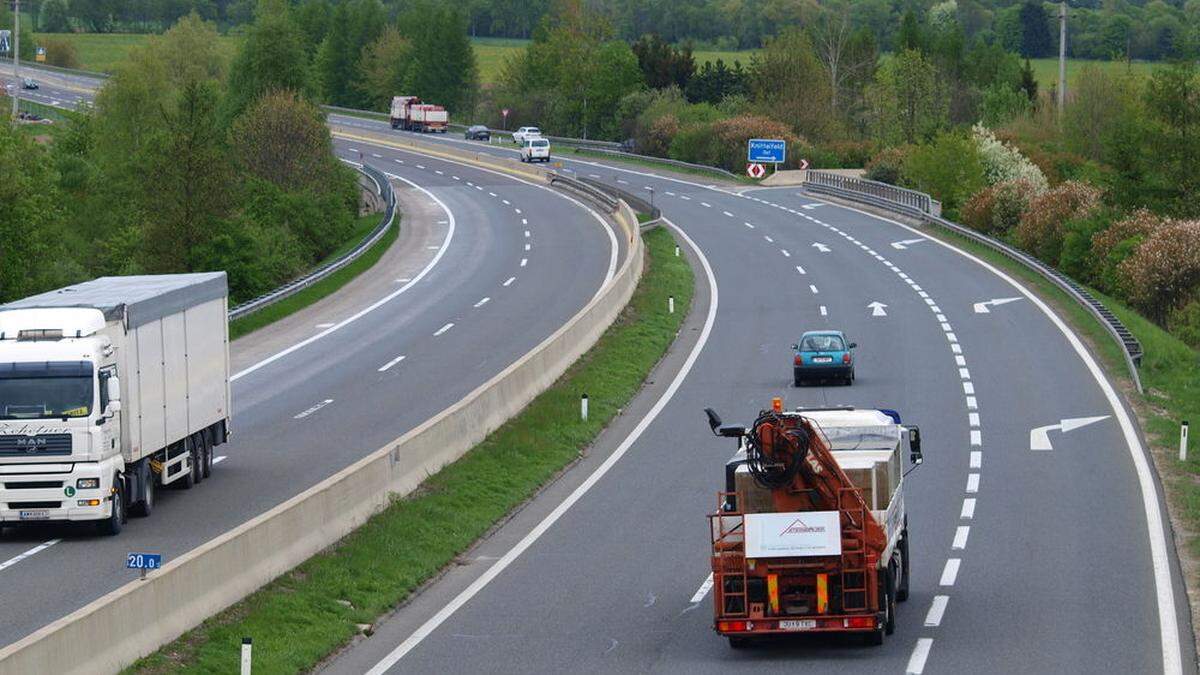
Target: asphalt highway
[[1038, 537], [500, 266]]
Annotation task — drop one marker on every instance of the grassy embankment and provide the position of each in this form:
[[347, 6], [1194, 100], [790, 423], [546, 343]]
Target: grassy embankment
[[305, 615], [328, 285]]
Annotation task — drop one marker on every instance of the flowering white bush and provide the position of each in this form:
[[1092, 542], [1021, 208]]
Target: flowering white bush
[[1003, 162], [944, 14]]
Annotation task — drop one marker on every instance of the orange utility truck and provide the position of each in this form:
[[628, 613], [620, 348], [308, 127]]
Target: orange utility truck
[[811, 534]]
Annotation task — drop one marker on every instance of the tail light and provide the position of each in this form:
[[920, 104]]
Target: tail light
[[731, 626], [798, 360], [860, 622], [846, 357]]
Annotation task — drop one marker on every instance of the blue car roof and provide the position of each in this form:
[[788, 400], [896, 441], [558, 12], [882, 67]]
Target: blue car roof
[[823, 332]]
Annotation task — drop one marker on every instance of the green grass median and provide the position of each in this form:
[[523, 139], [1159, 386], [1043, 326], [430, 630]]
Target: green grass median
[[307, 614], [327, 286]]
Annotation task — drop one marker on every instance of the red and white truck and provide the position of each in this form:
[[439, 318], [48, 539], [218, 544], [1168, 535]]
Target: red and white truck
[[811, 533], [411, 114]]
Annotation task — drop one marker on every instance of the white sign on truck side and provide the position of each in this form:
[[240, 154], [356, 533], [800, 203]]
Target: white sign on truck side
[[109, 389]]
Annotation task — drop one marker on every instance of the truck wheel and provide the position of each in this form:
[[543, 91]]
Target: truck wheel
[[738, 642], [889, 626], [189, 481], [207, 464], [902, 592], [144, 507], [112, 525]]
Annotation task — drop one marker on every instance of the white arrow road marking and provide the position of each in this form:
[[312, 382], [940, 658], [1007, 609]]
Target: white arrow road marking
[[1039, 438], [982, 307], [877, 308], [902, 245], [820, 247]]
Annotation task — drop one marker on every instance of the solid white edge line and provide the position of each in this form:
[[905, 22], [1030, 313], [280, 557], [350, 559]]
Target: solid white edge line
[[1168, 625], [33, 551], [542, 527], [378, 303], [703, 590], [916, 662]]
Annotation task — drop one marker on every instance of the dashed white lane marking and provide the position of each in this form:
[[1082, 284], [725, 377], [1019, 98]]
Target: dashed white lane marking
[[968, 509], [623, 182], [685, 198], [315, 408], [218, 460], [669, 193], [968, 388], [976, 459], [749, 225], [936, 610], [443, 329], [916, 662], [976, 437], [506, 202], [813, 289], [528, 246], [972, 483], [385, 367], [509, 282], [960, 537], [398, 161], [524, 262], [324, 325], [403, 280], [706, 205], [728, 214], [518, 211], [769, 240], [972, 403], [353, 149], [950, 572], [526, 234], [455, 177], [824, 312], [964, 373], [524, 221], [703, 590], [593, 175], [420, 167], [482, 302], [433, 248], [959, 360], [800, 270], [33, 551], [439, 172], [492, 194], [973, 419], [785, 253]]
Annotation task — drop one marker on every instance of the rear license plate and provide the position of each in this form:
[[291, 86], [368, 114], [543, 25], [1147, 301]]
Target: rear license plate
[[34, 515], [822, 359], [797, 624]]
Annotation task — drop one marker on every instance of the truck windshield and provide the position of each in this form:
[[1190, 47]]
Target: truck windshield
[[46, 389]]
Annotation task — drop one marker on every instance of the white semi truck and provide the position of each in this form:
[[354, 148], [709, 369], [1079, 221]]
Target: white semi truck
[[109, 390]]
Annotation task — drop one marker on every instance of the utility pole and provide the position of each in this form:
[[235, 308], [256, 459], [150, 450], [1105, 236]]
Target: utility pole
[[16, 56], [1062, 58]]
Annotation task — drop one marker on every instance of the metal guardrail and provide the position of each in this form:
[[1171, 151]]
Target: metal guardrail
[[384, 190], [638, 203], [845, 187], [604, 197], [890, 196], [665, 160]]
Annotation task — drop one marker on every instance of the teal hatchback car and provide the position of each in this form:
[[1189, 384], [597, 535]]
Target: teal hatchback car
[[823, 355]]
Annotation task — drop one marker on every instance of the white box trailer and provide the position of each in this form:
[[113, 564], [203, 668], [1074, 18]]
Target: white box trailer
[[400, 110], [108, 390]]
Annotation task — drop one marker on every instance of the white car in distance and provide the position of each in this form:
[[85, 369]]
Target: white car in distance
[[525, 133], [536, 149]]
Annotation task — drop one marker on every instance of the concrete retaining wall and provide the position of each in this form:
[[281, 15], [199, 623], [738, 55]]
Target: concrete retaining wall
[[138, 618]]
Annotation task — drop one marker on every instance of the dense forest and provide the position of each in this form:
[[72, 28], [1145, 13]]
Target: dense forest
[[1100, 29]]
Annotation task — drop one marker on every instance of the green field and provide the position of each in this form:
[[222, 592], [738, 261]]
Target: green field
[[101, 52], [1046, 70]]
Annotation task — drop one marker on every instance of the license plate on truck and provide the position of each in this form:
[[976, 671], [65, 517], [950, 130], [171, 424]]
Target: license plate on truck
[[34, 515], [797, 624]]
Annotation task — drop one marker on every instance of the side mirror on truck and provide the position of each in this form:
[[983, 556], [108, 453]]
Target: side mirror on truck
[[914, 445], [714, 423], [114, 391]]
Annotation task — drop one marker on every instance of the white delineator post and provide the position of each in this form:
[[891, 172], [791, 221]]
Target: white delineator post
[[671, 304], [583, 407], [1183, 441], [247, 645]]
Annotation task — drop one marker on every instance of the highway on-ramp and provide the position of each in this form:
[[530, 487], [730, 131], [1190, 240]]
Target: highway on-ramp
[[1024, 559], [493, 265]]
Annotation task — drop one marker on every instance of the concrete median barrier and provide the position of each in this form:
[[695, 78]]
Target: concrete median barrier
[[138, 618]]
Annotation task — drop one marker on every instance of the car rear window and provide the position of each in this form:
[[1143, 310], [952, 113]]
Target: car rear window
[[541, 144], [822, 343]]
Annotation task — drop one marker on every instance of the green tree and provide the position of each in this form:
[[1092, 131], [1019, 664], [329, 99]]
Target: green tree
[[950, 169], [908, 100], [662, 64], [443, 69], [789, 84], [31, 217], [271, 57], [384, 69], [54, 17], [1173, 100], [910, 36], [1036, 40]]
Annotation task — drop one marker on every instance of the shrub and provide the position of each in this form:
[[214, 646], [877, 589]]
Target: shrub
[[723, 143], [1042, 227], [1184, 323], [997, 209], [1077, 258], [1113, 245], [852, 154], [655, 138], [949, 168], [977, 212], [887, 164], [1163, 274], [1003, 162], [61, 53]]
